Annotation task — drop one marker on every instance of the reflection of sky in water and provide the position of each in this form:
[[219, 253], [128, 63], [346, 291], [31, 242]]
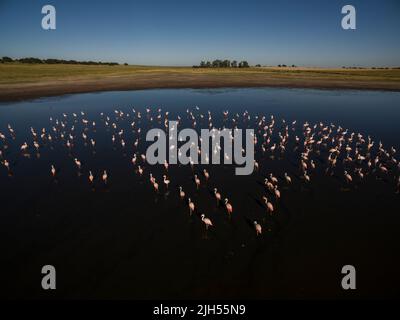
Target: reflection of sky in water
[[368, 112], [124, 240]]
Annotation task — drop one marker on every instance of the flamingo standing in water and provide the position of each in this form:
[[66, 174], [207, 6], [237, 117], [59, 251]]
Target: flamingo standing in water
[[152, 179], [91, 178], [105, 176], [78, 163], [181, 193], [166, 181], [269, 205], [206, 174], [359, 172], [256, 165], [273, 179], [348, 177], [6, 164], [206, 221], [155, 185], [217, 195], [197, 181], [228, 206], [277, 192], [53, 171], [258, 228], [24, 147], [191, 206], [269, 185]]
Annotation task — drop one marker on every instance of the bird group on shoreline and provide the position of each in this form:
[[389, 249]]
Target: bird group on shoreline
[[329, 148]]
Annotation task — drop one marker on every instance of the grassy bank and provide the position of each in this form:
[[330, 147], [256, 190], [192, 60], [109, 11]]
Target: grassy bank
[[12, 73], [20, 80]]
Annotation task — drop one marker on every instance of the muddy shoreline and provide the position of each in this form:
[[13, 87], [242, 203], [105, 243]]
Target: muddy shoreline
[[25, 91]]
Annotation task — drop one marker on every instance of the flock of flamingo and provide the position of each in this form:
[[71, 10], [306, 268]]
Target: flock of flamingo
[[349, 155]]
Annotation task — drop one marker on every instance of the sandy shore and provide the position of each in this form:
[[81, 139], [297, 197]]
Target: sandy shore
[[149, 80]]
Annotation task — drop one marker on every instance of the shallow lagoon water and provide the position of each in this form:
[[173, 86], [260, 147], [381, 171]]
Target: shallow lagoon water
[[125, 241]]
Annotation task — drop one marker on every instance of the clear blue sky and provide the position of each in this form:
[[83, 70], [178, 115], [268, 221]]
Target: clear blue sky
[[169, 32]]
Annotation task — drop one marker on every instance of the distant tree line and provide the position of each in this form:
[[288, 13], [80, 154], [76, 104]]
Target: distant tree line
[[223, 64], [232, 64], [56, 61]]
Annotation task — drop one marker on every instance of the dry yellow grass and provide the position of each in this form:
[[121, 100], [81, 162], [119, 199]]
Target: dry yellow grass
[[11, 73]]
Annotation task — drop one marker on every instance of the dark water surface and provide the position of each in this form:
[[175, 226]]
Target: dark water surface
[[124, 240]]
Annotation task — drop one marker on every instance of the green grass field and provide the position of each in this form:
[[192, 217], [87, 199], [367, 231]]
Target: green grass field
[[14, 73]]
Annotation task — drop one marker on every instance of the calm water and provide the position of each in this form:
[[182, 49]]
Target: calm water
[[123, 240]]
